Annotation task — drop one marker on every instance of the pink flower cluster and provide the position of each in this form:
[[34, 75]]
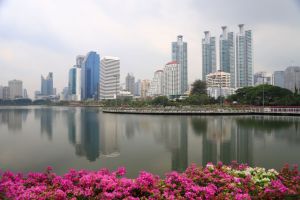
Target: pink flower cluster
[[210, 182]]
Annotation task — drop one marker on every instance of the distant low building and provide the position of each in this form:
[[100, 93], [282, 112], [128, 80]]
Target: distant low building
[[278, 79], [218, 84], [260, 78], [292, 78]]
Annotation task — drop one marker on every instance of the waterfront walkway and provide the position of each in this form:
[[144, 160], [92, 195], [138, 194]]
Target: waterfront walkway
[[219, 111]]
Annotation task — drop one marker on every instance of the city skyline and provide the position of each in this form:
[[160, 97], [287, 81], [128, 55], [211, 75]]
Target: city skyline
[[39, 42]]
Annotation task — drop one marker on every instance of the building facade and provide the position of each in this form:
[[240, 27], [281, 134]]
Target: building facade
[[278, 79], [260, 78], [90, 73], [130, 83], [15, 89], [208, 55], [292, 78], [156, 85], [145, 87], [218, 79], [244, 58], [109, 78], [219, 84], [172, 79], [47, 85], [138, 88], [1, 92], [227, 54], [179, 54], [6, 92]]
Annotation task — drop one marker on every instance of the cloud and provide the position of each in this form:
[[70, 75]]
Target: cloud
[[41, 36]]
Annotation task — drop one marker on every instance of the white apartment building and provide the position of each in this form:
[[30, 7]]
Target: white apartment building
[[156, 85], [218, 79], [218, 84], [172, 79], [15, 89], [109, 77]]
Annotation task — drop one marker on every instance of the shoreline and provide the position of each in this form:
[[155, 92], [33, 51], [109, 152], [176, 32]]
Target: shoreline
[[195, 112]]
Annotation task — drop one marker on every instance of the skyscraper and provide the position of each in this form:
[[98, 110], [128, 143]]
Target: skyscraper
[[129, 83], [1, 92], [90, 71], [208, 55], [72, 83], [47, 85], [109, 77], [172, 79], [278, 79], [244, 60], [15, 89], [292, 78], [227, 54], [137, 88], [179, 54]]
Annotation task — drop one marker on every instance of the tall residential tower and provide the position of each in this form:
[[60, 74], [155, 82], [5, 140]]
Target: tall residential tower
[[208, 55], [227, 54], [179, 54], [244, 58]]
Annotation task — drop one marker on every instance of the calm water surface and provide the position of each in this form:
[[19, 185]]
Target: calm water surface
[[32, 138]]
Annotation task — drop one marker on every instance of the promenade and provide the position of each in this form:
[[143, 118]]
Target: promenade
[[283, 111]]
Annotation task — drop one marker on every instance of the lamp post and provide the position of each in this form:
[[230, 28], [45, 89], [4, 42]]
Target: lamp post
[[116, 76]]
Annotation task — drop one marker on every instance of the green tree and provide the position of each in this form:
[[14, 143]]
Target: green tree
[[198, 87], [161, 100]]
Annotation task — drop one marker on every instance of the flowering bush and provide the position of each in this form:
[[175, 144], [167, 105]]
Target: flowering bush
[[209, 182]]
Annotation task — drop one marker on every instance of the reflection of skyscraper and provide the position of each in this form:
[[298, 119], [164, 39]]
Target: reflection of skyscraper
[[175, 137], [89, 140], [46, 116], [109, 136], [225, 141], [13, 118]]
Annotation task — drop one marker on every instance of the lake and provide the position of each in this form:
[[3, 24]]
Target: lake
[[32, 138]]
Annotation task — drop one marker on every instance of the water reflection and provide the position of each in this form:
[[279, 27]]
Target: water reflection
[[46, 117], [155, 143], [13, 118]]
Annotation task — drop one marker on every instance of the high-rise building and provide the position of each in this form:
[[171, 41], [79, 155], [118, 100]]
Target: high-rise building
[[79, 60], [1, 92], [109, 77], [244, 58], [47, 85], [260, 78], [130, 83], [172, 79], [72, 83], [278, 78], [179, 54], [208, 55], [145, 86], [15, 89], [156, 85], [6, 92], [90, 76], [137, 88], [25, 94], [292, 78], [227, 54]]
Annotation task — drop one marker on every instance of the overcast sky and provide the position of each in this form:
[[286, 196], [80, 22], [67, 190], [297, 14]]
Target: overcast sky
[[39, 36]]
